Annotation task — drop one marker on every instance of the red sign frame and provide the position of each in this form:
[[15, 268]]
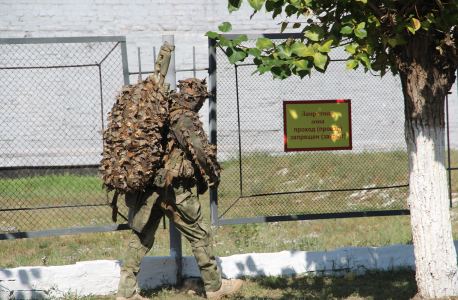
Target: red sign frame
[[348, 101]]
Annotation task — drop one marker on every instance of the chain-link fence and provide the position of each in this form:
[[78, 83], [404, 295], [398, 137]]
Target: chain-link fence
[[55, 96], [452, 150], [262, 182]]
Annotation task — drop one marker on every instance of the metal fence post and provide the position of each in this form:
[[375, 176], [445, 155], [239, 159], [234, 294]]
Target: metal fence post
[[448, 154], [125, 64], [139, 64], [175, 235], [212, 118]]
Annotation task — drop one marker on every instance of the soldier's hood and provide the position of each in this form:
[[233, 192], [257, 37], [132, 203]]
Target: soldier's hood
[[192, 94]]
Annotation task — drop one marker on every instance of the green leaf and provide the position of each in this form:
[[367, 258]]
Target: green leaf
[[303, 73], [374, 19], [297, 25], [241, 38], [212, 34], [315, 33], [302, 50], [349, 19], [297, 3], [320, 60], [346, 30], [361, 33], [256, 4], [284, 51], [264, 43], [271, 61], [277, 12], [289, 41], [411, 29], [416, 23], [325, 46], [351, 63], [235, 55], [426, 24], [369, 49], [399, 27], [392, 42], [335, 29], [400, 39], [262, 69], [273, 4], [360, 30], [303, 64], [281, 72], [224, 42], [283, 26], [233, 5], [351, 48], [254, 52], [397, 40], [380, 62], [290, 10], [225, 27], [363, 57]]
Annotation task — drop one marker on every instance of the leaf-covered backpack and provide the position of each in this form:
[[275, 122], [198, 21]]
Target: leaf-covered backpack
[[133, 147]]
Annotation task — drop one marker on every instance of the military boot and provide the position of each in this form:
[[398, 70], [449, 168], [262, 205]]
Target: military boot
[[228, 287], [134, 297]]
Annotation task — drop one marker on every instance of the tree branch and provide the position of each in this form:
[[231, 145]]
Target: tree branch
[[375, 8], [407, 7], [441, 7]]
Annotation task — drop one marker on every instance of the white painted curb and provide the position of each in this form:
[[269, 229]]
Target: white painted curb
[[101, 277]]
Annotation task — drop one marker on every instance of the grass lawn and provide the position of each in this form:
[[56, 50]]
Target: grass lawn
[[310, 235], [399, 285]]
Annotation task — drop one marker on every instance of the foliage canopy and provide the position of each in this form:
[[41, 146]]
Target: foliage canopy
[[372, 32]]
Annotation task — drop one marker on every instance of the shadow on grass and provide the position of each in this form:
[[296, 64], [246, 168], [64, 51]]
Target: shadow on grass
[[377, 285]]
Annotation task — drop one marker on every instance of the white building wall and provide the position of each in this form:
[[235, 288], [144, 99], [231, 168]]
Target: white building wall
[[143, 22]]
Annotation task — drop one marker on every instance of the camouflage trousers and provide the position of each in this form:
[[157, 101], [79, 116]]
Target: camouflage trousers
[[185, 214]]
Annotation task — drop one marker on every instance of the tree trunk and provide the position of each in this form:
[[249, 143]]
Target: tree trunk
[[426, 79]]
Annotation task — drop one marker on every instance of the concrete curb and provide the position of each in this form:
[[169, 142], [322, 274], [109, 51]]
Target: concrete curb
[[101, 277]]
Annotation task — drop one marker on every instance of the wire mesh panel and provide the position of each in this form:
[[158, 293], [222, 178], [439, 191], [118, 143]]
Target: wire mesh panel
[[261, 180], [451, 109], [55, 95]]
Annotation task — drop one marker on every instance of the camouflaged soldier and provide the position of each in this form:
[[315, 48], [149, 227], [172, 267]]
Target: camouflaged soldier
[[190, 160]]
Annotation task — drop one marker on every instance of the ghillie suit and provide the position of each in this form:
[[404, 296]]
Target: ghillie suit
[[188, 160], [155, 136], [133, 149], [191, 156]]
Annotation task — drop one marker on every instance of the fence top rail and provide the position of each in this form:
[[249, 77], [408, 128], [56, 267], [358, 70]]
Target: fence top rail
[[57, 40]]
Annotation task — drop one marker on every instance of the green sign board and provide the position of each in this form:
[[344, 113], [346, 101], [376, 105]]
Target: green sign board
[[317, 125]]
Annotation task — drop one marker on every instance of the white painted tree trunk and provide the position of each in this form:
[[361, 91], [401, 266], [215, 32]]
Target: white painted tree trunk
[[435, 255]]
